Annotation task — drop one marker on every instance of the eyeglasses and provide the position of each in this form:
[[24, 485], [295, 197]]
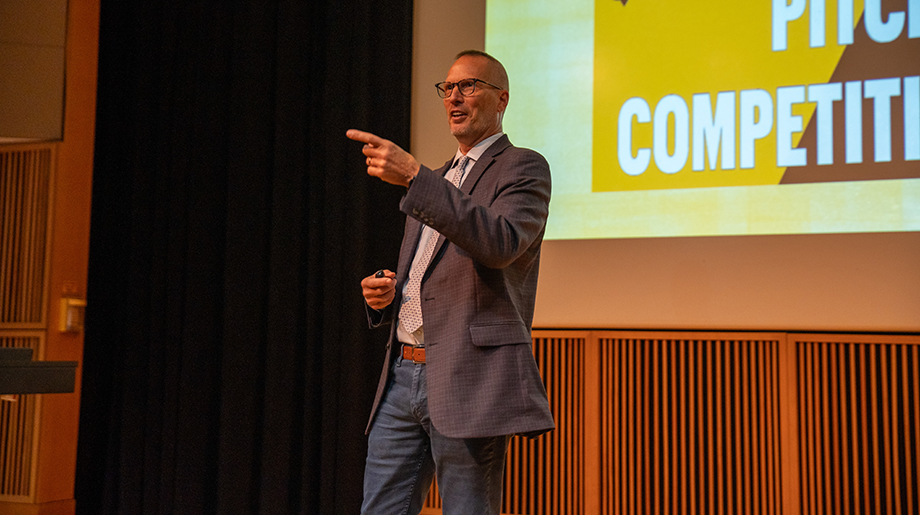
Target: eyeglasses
[[467, 87]]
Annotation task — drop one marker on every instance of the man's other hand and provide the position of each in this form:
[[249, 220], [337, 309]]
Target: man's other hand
[[379, 291]]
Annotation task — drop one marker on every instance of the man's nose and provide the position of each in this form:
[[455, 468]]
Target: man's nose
[[455, 96]]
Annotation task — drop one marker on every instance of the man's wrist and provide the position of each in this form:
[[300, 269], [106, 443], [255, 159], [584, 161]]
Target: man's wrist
[[414, 173]]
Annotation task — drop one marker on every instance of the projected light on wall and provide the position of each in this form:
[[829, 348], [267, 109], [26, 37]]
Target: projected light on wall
[[674, 118]]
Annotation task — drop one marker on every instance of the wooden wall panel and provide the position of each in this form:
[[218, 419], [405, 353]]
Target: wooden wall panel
[[860, 423], [690, 425], [26, 176], [18, 418], [25, 182], [722, 423]]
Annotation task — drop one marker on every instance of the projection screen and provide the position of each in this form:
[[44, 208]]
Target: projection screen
[[724, 165]]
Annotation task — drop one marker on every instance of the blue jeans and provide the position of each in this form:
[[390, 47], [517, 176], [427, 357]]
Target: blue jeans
[[405, 450]]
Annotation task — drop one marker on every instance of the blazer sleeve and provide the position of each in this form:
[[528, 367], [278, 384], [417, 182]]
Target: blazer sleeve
[[503, 215]]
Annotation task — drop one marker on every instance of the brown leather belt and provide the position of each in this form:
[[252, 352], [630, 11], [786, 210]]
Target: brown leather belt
[[414, 354]]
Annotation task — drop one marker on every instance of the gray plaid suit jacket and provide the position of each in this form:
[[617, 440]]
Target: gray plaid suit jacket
[[478, 294]]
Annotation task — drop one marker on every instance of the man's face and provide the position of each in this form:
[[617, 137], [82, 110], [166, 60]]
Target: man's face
[[474, 118]]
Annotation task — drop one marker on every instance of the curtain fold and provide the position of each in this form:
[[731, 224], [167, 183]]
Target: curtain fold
[[228, 365]]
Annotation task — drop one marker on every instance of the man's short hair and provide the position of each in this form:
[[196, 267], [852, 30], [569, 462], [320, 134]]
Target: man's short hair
[[501, 75]]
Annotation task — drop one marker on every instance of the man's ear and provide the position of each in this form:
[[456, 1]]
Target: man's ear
[[503, 101]]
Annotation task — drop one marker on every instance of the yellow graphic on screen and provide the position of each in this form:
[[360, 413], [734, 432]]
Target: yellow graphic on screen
[[693, 94]]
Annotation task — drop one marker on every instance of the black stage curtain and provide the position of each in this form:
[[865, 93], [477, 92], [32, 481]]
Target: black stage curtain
[[228, 365]]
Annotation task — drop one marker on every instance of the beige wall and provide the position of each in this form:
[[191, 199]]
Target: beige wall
[[32, 40], [442, 29]]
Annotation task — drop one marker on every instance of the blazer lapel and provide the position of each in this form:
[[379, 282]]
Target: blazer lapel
[[483, 163], [479, 168]]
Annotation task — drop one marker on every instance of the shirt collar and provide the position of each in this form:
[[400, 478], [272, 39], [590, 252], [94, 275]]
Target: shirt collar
[[476, 152]]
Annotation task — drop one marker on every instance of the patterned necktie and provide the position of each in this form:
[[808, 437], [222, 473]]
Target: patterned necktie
[[411, 311]]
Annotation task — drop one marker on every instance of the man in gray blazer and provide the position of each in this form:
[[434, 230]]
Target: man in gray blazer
[[459, 378]]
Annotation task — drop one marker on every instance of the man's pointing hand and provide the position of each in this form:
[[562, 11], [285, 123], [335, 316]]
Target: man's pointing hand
[[385, 159]]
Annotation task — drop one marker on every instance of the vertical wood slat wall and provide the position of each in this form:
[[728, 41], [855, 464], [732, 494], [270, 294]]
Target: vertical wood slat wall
[[25, 182], [25, 204], [859, 398], [721, 423], [18, 442], [689, 425]]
